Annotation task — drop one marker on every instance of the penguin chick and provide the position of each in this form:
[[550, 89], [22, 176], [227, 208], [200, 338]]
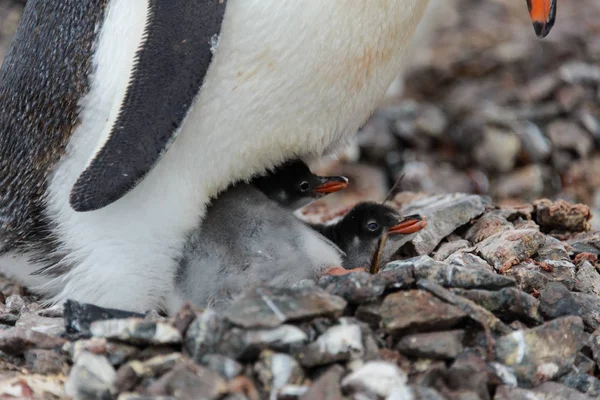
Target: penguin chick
[[358, 232], [293, 185], [247, 239]]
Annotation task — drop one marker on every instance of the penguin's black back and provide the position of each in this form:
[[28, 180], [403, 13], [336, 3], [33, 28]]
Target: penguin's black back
[[44, 76]]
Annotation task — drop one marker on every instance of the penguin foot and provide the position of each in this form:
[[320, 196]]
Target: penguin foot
[[337, 271]]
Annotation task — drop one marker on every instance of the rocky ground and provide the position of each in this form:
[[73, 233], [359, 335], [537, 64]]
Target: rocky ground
[[498, 298]]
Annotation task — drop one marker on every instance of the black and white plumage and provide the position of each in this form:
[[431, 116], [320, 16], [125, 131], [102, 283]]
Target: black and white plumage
[[293, 185], [357, 233], [121, 119]]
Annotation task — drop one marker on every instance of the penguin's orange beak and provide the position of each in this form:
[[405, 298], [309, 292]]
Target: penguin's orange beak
[[543, 15], [331, 184], [410, 224]]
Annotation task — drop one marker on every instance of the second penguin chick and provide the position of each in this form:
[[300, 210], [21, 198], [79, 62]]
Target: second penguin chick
[[293, 185], [358, 233]]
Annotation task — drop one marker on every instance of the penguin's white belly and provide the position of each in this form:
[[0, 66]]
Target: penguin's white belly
[[289, 78]]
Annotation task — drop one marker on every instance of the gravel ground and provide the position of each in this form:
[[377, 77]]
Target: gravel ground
[[496, 137]]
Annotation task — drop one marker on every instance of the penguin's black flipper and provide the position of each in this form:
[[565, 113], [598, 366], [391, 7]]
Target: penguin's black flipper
[[168, 74]]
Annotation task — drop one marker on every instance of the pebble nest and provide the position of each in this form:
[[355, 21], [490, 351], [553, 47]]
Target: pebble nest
[[498, 298]]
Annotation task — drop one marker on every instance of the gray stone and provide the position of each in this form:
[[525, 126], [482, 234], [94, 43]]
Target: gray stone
[[379, 378], [130, 374], [116, 353], [486, 226], [568, 135], [535, 143], [277, 370], [438, 345], [356, 288], [225, 366], [48, 326], [92, 377], [136, 331], [327, 387], [46, 362], [588, 279], [269, 307], [546, 391], [15, 341], [445, 214], [189, 381], [542, 353], [582, 382], [505, 249], [447, 249], [562, 216], [499, 150], [339, 343], [477, 313], [508, 303], [415, 311]]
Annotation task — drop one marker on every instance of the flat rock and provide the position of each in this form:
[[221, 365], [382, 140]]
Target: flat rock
[[46, 362], [16, 341], [587, 242], [339, 343], [498, 150], [582, 382], [115, 353], [588, 279], [543, 353], [327, 387], [417, 310], [567, 135], [486, 226], [477, 313], [508, 303], [356, 288], [562, 216], [189, 381], [78, 317], [130, 374], [445, 214], [449, 248], [545, 391], [528, 277], [34, 322], [378, 378], [210, 334], [92, 376], [451, 274], [505, 249], [438, 345], [269, 307], [28, 386], [136, 331], [276, 371], [556, 300], [228, 368]]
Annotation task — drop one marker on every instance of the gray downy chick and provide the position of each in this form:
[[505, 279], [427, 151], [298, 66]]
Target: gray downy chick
[[249, 237]]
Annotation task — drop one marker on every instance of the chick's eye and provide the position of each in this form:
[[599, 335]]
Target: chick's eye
[[304, 186], [372, 226]]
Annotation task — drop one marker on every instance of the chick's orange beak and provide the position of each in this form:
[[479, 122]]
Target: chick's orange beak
[[543, 15], [410, 224], [332, 184]]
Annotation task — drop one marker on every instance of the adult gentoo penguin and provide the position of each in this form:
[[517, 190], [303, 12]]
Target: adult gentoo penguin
[[122, 118]]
